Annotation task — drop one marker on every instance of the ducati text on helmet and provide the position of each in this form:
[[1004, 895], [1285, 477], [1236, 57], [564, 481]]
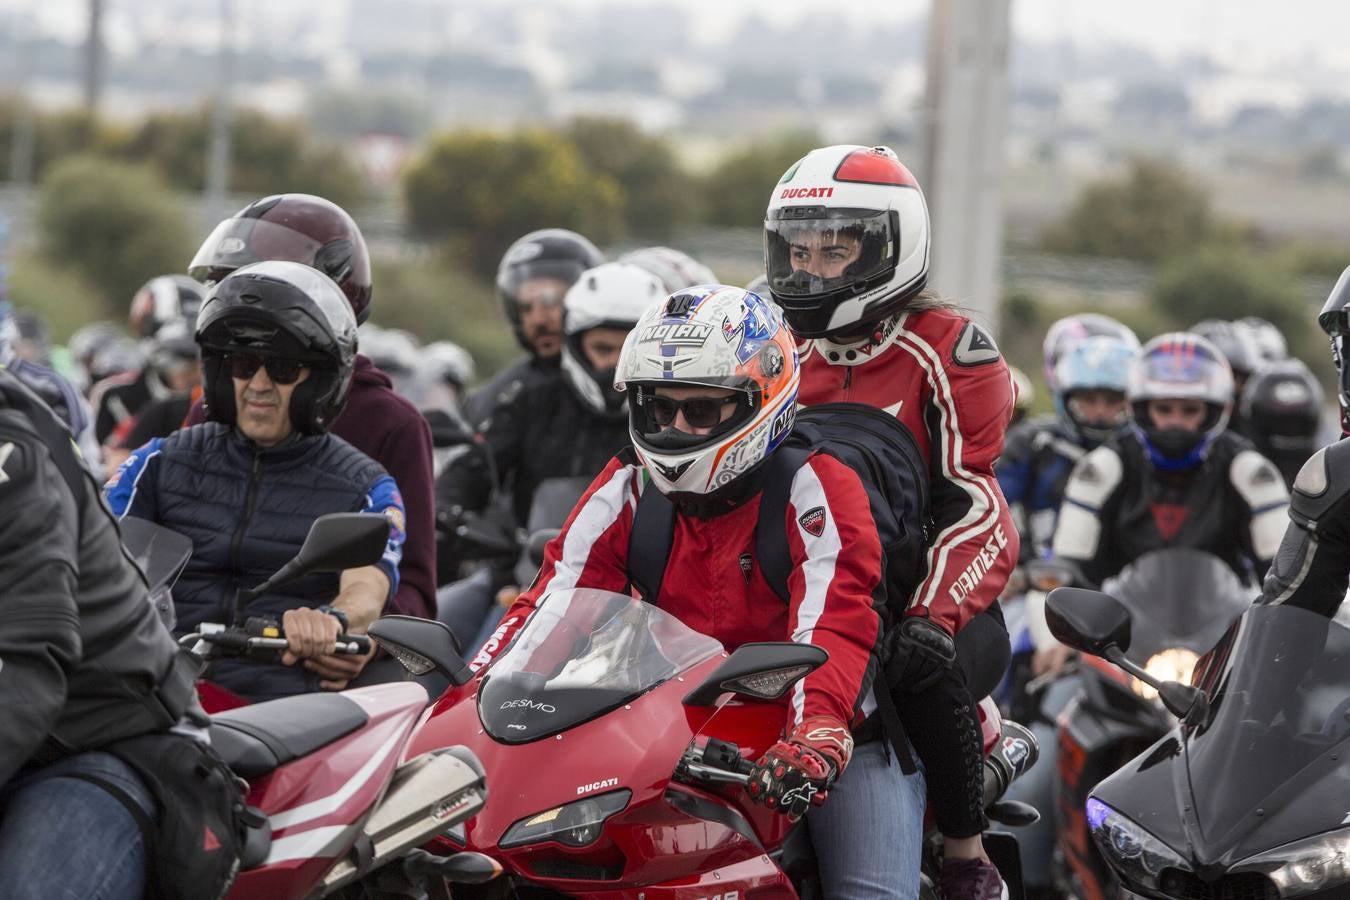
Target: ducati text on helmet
[[846, 240], [1181, 366], [709, 337], [612, 296], [298, 228], [551, 255], [285, 310]]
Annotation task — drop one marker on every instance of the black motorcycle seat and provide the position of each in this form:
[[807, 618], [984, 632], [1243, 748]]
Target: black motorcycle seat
[[254, 740]]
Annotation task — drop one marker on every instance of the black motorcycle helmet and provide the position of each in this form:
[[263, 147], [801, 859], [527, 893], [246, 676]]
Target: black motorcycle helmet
[[550, 253], [287, 310], [1334, 319], [164, 299], [1282, 405]]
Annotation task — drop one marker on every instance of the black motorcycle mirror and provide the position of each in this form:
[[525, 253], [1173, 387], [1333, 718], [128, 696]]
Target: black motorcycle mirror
[[335, 542], [1099, 624], [534, 550], [762, 671], [421, 645]]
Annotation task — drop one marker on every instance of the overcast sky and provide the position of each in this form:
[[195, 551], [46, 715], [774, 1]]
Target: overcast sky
[[1252, 34]]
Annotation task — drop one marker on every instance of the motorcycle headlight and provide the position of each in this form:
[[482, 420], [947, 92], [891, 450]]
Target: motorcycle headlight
[[575, 824], [1307, 866], [1176, 664], [1136, 854]]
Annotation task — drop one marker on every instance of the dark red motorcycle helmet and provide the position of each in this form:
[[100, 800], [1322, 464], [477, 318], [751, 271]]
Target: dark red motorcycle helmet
[[548, 253], [293, 228], [286, 310]]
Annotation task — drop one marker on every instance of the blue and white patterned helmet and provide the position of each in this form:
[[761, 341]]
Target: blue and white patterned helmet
[[1093, 363], [710, 336]]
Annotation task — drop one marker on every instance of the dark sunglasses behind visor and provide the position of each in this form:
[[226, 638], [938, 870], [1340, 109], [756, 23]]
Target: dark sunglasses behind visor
[[699, 412], [282, 371]]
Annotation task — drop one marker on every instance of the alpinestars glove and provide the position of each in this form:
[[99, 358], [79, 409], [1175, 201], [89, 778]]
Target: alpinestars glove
[[799, 770]]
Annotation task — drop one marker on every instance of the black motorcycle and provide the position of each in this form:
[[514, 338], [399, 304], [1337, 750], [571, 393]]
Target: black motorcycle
[[1181, 601], [1248, 798]]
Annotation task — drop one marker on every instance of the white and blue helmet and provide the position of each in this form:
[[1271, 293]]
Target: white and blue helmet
[[1093, 363]]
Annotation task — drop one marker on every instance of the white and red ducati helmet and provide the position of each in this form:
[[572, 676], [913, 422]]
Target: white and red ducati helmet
[[846, 239]]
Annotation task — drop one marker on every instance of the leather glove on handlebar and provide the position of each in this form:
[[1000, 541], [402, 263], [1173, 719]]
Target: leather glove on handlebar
[[799, 770], [918, 653]]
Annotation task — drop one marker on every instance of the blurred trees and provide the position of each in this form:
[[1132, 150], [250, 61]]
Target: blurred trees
[[656, 194], [116, 224], [477, 192], [1154, 211], [736, 192], [268, 155]]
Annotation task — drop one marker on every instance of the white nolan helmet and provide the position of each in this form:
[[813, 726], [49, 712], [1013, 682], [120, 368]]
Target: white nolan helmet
[[613, 295], [846, 239], [709, 336]]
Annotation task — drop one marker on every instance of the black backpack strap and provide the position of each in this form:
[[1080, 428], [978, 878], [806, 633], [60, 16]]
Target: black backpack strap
[[52, 432], [771, 543], [892, 729], [650, 541]]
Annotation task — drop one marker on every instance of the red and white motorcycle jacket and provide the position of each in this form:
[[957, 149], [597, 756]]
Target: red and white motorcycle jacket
[[713, 582], [942, 375]]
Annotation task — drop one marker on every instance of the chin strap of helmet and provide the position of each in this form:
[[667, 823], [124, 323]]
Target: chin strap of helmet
[[1179, 460]]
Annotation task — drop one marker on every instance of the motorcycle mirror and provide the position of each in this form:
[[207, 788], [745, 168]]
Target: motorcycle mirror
[[1089, 621], [534, 550], [421, 645], [343, 541], [762, 671], [335, 542]]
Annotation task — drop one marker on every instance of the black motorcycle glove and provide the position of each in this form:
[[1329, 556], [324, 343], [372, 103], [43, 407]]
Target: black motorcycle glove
[[918, 653]]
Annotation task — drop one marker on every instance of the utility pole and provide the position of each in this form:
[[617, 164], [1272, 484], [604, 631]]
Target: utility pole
[[967, 105], [23, 137], [218, 159], [93, 57]]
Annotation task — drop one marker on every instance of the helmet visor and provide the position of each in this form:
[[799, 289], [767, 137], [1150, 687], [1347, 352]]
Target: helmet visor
[[813, 251], [542, 275], [659, 423], [236, 243]]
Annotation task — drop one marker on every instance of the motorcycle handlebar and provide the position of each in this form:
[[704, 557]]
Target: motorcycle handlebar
[[719, 762], [245, 640]]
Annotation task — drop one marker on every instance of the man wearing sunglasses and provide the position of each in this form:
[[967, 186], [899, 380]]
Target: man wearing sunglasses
[[278, 349], [376, 420]]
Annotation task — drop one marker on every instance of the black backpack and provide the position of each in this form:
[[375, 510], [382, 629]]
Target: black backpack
[[886, 456]]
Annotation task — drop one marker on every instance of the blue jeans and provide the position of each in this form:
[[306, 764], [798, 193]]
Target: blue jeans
[[62, 838], [868, 836], [1037, 787]]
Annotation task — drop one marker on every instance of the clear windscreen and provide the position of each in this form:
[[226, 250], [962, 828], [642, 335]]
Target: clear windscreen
[[582, 653], [1178, 599]]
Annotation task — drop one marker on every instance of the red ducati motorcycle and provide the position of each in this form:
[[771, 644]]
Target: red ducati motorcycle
[[617, 742]]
